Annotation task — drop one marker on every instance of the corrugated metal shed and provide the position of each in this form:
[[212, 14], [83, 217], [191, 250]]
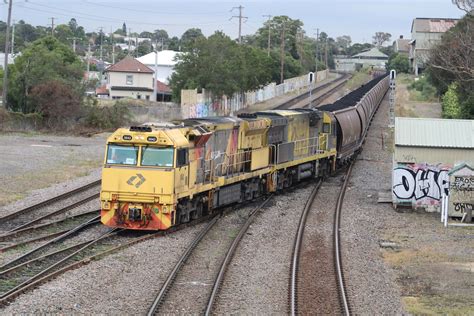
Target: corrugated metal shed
[[428, 132]]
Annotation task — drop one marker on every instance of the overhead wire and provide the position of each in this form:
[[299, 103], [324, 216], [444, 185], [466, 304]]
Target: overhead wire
[[91, 17]]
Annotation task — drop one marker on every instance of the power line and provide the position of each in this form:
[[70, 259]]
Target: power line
[[92, 17], [240, 20]]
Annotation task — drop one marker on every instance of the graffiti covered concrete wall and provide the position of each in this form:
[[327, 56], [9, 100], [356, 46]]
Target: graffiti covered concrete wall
[[419, 185], [461, 190], [194, 104]]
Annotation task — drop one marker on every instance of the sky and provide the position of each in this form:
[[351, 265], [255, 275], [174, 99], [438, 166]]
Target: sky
[[358, 19]]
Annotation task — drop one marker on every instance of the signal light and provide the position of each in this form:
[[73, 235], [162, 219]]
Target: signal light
[[151, 139], [127, 137]]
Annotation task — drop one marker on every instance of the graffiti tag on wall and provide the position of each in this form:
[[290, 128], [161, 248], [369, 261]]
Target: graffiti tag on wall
[[461, 190], [422, 184]]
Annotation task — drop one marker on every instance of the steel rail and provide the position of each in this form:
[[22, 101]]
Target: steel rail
[[57, 263], [229, 255], [297, 249], [173, 274], [14, 268], [337, 244], [61, 210], [92, 221], [45, 225], [340, 81], [50, 201], [4, 300]]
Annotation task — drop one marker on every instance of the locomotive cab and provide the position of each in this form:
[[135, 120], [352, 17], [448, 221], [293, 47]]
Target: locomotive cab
[[143, 170]]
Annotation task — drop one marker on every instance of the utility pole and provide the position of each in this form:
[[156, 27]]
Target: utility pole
[[73, 42], [317, 49], [13, 38], [5, 64], [129, 32], [326, 52], [101, 41], [282, 53], [88, 61], [240, 20], [155, 75], [52, 25], [269, 38], [113, 46]]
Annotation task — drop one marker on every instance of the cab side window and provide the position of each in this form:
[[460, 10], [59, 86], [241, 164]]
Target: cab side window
[[182, 157]]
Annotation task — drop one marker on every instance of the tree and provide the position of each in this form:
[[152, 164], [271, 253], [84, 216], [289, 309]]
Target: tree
[[146, 34], [144, 48], [173, 44], [276, 26], [66, 104], [451, 108], [44, 61], [124, 29], [381, 37], [465, 5], [452, 60], [63, 33], [343, 42], [161, 36], [190, 37], [221, 66], [399, 62], [358, 48]]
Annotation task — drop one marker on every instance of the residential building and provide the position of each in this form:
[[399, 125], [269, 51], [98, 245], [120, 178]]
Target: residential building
[[372, 58], [401, 46], [166, 62], [129, 78], [426, 32], [11, 59]]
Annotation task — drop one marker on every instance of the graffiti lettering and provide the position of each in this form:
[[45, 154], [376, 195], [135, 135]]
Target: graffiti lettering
[[412, 182], [463, 207], [463, 184]]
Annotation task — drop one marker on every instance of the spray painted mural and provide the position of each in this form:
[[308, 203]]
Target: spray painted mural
[[461, 193], [420, 185]]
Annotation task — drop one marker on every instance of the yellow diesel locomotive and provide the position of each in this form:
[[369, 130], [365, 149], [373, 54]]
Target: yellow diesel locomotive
[[157, 176]]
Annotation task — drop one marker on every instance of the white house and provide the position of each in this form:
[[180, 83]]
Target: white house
[[129, 78], [371, 58], [166, 62]]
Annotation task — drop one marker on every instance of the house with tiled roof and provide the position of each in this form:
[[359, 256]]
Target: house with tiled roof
[[129, 78], [425, 33], [401, 46]]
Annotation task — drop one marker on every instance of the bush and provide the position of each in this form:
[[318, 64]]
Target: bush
[[59, 104], [451, 108], [424, 91], [398, 62], [108, 117]]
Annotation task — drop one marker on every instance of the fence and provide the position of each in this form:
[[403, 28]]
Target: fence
[[194, 104]]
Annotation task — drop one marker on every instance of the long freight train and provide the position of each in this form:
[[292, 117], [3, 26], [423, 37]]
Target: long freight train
[[158, 176]]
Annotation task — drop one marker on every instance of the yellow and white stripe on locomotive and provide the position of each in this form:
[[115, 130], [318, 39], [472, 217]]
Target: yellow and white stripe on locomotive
[[155, 177]]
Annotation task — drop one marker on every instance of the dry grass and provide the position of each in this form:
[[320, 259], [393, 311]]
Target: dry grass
[[437, 305], [24, 183]]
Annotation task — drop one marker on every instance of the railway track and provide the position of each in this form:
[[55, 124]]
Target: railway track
[[221, 268], [302, 100], [326, 260], [43, 263], [32, 234], [25, 217]]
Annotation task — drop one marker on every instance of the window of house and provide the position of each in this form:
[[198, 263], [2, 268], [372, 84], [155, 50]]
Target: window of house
[[129, 79]]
